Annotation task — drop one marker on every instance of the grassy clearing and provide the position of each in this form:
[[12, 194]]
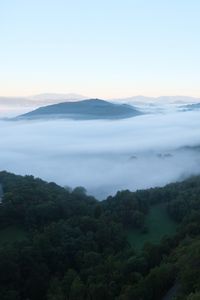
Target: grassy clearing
[[11, 234], [158, 223]]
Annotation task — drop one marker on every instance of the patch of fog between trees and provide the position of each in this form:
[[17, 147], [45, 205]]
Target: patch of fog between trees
[[104, 156]]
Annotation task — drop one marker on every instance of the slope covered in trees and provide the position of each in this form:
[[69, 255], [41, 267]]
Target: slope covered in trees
[[75, 247]]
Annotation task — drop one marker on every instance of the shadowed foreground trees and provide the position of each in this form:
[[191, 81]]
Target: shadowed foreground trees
[[76, 247]]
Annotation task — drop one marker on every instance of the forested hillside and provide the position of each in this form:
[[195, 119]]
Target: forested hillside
[[61, 244]]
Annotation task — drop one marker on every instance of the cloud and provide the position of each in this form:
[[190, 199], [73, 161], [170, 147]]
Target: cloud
[[104, 156]]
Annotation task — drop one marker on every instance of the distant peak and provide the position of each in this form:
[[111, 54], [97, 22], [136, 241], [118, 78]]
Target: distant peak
[[57, 96], [85, 109]]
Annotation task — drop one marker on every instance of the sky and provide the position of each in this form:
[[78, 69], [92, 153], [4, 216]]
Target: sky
[[107, 49]]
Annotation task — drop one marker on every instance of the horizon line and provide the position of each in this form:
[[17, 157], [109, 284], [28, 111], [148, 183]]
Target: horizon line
[[96, 97]]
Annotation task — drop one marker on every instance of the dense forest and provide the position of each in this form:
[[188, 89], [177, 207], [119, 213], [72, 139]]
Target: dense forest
[[61, 244]]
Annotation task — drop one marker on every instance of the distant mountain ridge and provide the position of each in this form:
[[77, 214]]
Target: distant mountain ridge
[[159, 100], [53, 98], [85, 109], [41, 99], [191, 107], [14, 106]]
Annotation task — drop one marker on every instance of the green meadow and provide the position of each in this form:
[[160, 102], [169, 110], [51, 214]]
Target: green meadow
[[158, 224]]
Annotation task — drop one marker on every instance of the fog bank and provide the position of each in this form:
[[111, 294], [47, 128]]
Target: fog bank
[[104, 156]]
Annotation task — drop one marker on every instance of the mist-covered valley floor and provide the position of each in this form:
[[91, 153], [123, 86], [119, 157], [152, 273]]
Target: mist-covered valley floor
[[104, 156]]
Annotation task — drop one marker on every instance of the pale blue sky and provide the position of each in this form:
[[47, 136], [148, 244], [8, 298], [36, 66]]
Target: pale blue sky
[[104, 48]]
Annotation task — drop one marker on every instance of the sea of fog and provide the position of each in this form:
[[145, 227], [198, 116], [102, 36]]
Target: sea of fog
[[104, 156]]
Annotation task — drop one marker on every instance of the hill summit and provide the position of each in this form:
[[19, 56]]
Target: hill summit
[[85, 109]]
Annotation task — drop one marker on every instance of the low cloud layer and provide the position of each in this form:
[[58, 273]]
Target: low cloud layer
[[104, 156]]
